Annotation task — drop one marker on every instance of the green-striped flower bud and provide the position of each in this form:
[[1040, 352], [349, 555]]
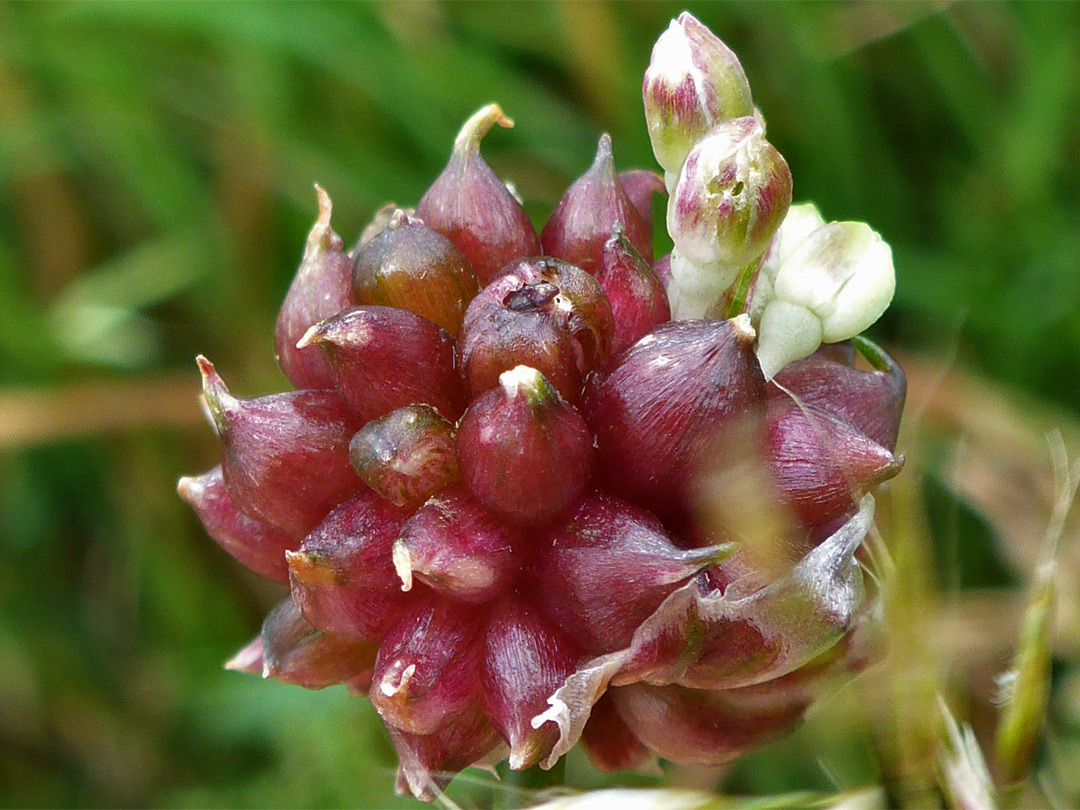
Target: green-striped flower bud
[[733, 192], [693, 82]]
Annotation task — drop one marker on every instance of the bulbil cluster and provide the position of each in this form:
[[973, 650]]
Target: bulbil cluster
[[508, 494]]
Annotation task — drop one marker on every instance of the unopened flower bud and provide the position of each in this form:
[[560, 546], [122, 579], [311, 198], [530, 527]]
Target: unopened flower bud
[[583, 220], [382, 358], [321, 288], [838, 281], [473, 208], [693, 82], [459, 548], [284, 456], [603, 543], [406, 456], [251, 542], [525, 452], [637, 297], [428, 667], [540, 312], [410, 266], [694, 291], [733, 192]]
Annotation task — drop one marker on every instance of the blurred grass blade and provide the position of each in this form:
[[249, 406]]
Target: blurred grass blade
[[1026, 685], [965, 779]]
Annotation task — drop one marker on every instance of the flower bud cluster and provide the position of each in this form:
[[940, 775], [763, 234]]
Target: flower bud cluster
[[729, 218], [489, 493]]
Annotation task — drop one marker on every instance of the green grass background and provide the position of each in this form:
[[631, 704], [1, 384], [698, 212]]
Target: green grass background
[[156, 170]]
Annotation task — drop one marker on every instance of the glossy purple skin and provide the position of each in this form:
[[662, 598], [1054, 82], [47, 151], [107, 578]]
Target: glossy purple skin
[[461, 549], [585, 216], [428, 669], [406, 456], [540, 312], [471, 206], [427, 762], [873, 401], [607, 546], [342, 577], [661, 408], [637, 297], [250, 542], [525, 660], [284, 456], [408, 265], [524, 454], [322, 286], [382, 359], [822, 464], [640, 186], [295, 652]]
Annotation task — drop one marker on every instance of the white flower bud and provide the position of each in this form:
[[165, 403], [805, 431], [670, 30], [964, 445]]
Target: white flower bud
[[693, 82], [843, 272], [801, 220], [733, 192], [830, 286]]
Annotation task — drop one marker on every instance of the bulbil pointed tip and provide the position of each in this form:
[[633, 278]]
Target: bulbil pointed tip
[[525, 381], [326, 207], [403, 565], [479, 124], [189, 488], [249, 659], [308, 569], [745, 333], [219, 402], [312, 336]]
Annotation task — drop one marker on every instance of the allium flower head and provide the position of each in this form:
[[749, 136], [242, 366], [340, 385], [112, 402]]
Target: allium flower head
[[490, 492]]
